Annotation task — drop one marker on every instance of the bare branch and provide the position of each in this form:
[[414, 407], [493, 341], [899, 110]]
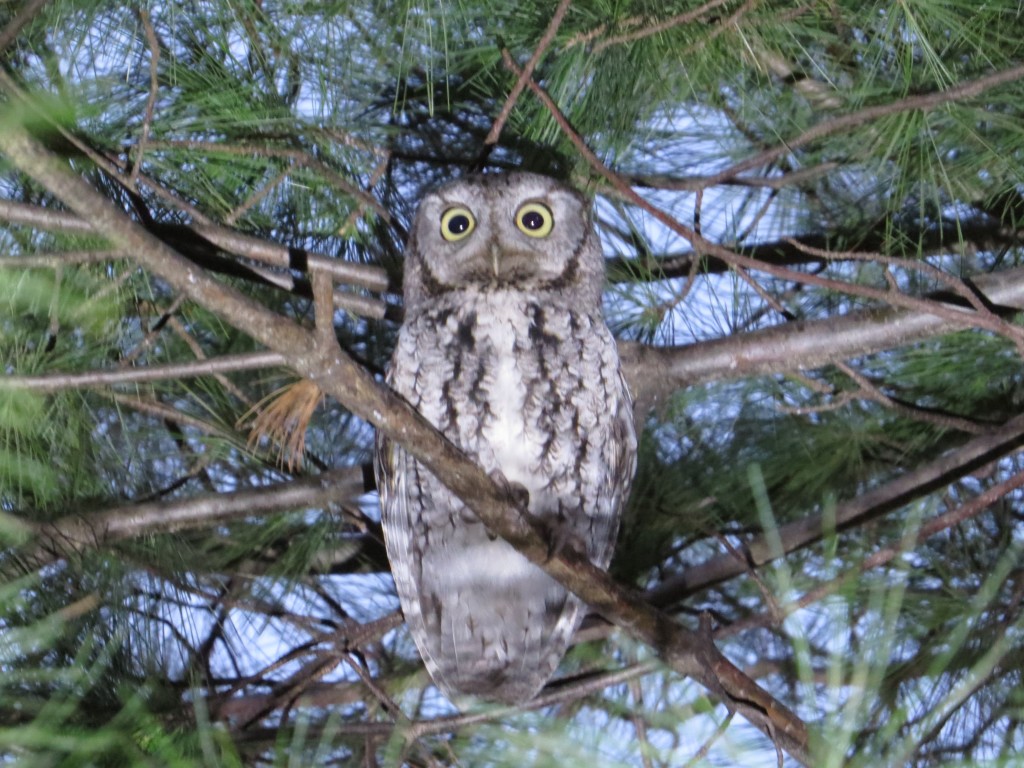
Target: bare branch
[[657, 372], [76, 533], [54, 382], [871, 504]]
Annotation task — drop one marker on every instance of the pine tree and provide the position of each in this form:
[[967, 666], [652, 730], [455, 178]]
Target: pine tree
[[813, 219]]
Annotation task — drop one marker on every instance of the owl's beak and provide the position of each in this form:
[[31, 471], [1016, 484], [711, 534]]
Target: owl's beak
[[496, 259]]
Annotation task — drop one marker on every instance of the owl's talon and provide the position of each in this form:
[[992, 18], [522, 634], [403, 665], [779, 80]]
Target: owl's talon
[[560, 537], [516, 492]]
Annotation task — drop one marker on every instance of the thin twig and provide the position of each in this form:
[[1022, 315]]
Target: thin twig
[[701, 754], [256, 197], [1001, 442], [719, 29], [28, 12], [229, 240], [955, 284], [55, 382], [652, 27], [879, 557], [154, 81], [527, 72], [79, 532], [54, 259], [924, 102], [299, 156], [640, 723], [179, 329], [946, 420], [697, 183]]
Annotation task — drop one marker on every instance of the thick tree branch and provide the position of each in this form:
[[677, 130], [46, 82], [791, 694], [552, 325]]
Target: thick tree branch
[[657, 372], [203, 243], [686, 651], [869, 505]]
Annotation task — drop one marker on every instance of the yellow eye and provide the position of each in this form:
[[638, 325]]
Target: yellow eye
[[456, 223], [535, 219]]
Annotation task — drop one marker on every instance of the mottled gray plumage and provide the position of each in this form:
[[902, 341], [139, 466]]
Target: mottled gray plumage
[[505, 350]]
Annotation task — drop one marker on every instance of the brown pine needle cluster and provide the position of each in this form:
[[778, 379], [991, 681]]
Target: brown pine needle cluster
[[282, 418]]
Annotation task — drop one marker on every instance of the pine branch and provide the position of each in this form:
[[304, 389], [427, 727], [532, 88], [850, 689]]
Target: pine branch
[[870, 505], [75, 533], [201, 242], [657, 372], [687, 652], [922, 102]]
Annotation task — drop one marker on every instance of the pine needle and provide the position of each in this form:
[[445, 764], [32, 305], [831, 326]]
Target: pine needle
[[282, 418]]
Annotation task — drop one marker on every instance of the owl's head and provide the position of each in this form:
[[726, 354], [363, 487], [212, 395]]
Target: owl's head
[[517, 231]]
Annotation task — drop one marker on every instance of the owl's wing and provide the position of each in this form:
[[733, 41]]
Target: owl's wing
[[396, 473], [624, 443], [618, 449]]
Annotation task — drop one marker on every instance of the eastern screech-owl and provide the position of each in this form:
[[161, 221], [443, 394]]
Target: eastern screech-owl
[[505, 350]]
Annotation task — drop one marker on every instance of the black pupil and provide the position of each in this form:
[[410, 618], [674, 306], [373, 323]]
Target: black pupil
[[458, 223], [533, 220]]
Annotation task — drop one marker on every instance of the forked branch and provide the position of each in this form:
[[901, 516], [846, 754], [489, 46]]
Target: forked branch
[[688, 652]]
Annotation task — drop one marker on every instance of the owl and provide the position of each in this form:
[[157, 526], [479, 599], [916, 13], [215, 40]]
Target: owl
[[505, 350]]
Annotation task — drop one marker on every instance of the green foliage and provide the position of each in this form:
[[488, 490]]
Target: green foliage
[[32, 293], [315, 125]]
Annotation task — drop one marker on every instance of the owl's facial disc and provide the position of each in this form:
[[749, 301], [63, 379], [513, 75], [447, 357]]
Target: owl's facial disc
[[490, 252], [519, 232]]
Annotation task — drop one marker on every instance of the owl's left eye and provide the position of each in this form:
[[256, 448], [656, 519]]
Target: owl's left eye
[[456, 223], [535, 219]]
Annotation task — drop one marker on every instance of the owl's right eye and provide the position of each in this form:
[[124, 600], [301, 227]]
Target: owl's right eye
[[456, 223]]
